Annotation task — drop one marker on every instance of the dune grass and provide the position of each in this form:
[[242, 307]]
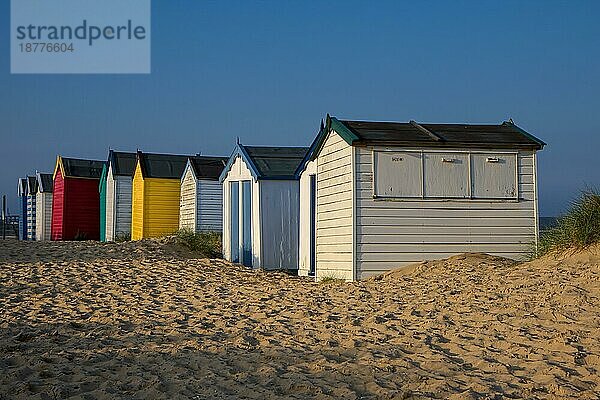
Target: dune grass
[[122, 237], [578, 228], [206, 243]]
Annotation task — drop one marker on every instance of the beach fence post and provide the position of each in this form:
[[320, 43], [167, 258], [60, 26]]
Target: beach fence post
[[3, 217]]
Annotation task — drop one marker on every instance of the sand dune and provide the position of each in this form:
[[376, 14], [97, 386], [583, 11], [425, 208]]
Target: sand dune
[[147, 321]]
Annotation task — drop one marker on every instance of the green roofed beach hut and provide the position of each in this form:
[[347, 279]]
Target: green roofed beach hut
[[115, 196], [201, 201], [43, 205], [261, 206], [32, 189], [381, 195]]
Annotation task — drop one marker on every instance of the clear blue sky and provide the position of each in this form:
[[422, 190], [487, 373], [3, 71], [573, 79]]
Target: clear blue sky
[[269, 71]]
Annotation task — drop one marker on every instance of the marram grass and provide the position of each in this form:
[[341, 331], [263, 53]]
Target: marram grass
[[206, 243], [579, 228]]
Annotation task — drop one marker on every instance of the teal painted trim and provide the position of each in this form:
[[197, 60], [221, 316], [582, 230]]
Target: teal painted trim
[[102, 189], [342, 130], [331, 123], [525, 133]]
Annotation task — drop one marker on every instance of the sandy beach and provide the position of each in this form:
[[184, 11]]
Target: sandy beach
[[147, 320]]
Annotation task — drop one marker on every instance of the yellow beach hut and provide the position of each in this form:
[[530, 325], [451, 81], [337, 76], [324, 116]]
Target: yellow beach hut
[[155, 197]]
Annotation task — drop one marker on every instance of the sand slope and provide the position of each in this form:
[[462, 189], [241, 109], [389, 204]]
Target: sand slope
[[141, 321]]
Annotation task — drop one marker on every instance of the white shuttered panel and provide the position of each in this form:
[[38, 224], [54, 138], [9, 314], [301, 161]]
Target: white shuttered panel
[[446, 175], [398, 174], [494, 176]]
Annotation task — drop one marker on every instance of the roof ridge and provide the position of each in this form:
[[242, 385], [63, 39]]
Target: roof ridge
[[431, 134]]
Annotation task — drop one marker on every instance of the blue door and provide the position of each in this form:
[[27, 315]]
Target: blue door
[[247, 223], [234, 220], [313, 225]]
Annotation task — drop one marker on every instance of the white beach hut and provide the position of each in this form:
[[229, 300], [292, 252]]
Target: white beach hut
[[388, 194], [307, 172], [31, 193], [43, 213], [119, 177], [261, 206], [201, 201]]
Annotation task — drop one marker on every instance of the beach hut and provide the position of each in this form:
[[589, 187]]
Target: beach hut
[[261, 206], [32, 189], [308, 202], [115, 195], [102, 197], [389, 194], [43, 203], [201, 201], [22, 195], [75, 200], [156, 194]]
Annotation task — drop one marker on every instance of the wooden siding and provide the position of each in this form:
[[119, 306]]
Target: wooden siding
[[393, 233], [155, 206], [102, 191], [82, 209], [334, 244], [58, 204], [109, 207], [123, 188], [137, 205], [31, 217], [75, 208], [280, 211], [187, 205], [161, 206], [209, 206], [43, 216], [305, 231], [118, 206], [239, 171]]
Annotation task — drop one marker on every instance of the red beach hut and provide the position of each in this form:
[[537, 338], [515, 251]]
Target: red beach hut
[[76, 201]]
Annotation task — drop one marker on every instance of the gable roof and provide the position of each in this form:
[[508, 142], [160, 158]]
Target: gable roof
[[21, 186], [79, 168], [267, 162], [207, 167], [32, 185], [165, 166], [272, 162], [45, 182], [505, 135], [122, 163]]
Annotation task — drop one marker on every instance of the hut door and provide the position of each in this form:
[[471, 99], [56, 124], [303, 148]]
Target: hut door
[[313, 225], [246, 222], [234, 219]]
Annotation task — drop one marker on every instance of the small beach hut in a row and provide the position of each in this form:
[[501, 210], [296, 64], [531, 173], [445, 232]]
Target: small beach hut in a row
[[380, 195], [22, 195], [261, 206], [43, 204], [201, 201], [76, 202], [115, 195], [156, 194], [32, 189]]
